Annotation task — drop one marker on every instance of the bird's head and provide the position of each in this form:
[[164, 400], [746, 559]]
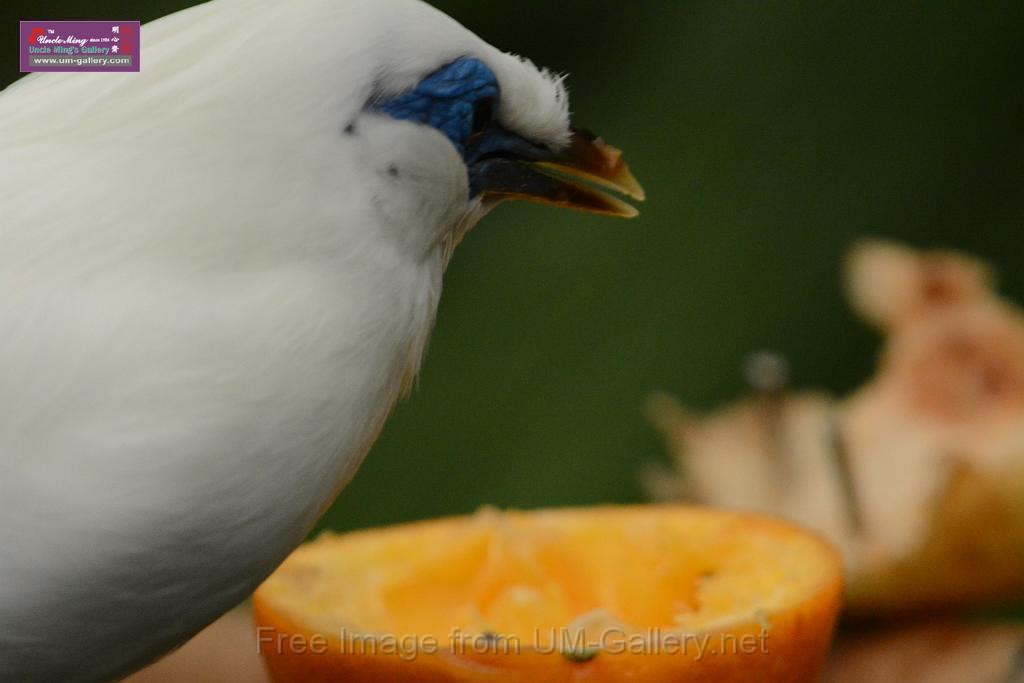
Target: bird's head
[[460, 126]]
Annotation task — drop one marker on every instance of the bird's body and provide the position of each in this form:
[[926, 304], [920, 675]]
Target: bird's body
[[182, 396], [216, 278]]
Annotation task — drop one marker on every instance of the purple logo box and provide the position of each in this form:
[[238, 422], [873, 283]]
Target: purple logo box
[[79, 46]]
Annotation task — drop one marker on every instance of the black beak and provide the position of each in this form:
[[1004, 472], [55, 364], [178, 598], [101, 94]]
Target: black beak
[[505, 167]]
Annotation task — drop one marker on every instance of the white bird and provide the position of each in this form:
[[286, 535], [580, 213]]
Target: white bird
[[216, 278]]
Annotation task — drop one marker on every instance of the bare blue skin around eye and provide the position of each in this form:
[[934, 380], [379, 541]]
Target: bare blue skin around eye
[[446, 99]]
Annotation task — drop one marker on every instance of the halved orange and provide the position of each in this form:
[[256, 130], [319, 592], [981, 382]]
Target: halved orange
[[649, 594]]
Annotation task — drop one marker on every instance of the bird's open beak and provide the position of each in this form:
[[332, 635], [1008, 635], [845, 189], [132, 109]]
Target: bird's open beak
[[576, 178]]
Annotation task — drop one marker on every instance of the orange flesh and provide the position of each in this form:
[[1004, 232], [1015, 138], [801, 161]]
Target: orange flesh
[[533, 576]]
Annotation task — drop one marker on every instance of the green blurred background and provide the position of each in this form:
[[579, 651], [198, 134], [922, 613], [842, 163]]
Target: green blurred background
[[769, 136]]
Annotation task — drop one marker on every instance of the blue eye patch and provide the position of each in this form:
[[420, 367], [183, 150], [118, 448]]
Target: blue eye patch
[[446, 99]]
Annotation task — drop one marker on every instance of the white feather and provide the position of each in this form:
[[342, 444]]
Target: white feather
[[210, 298]]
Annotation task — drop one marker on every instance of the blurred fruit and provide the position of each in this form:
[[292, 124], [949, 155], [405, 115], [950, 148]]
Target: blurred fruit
[[919, 476], [931, 652]]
